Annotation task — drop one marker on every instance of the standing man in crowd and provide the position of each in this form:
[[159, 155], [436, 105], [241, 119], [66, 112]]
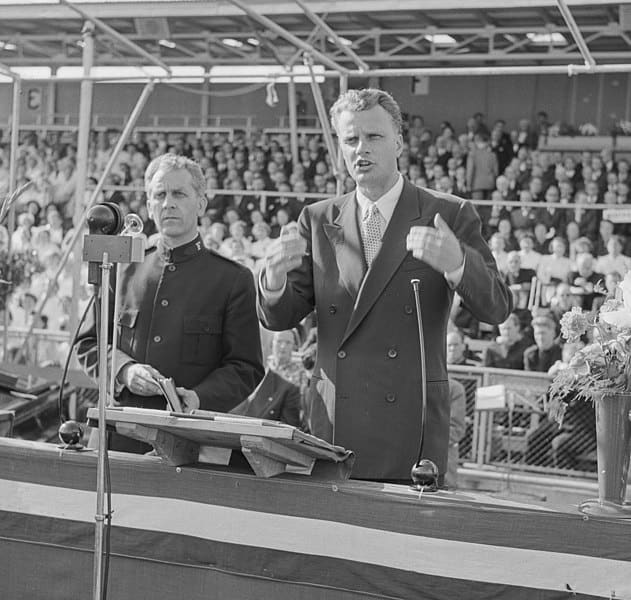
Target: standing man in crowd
[[352, 259], [187, 312]]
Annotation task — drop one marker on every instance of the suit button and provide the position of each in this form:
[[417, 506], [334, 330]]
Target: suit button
[[408, 309], [332, 309], [341, 354], [392, 353], [157, 339], [390, 397], [164, 303], [171, 267], [271, 412]]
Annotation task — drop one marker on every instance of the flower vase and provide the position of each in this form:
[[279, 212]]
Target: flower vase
[[613, 448]]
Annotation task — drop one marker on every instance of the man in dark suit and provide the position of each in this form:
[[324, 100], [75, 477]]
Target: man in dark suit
[[278, 398], [187, 312], [354, 265]]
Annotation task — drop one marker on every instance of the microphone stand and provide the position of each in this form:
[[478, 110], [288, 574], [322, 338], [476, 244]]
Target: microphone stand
[[106, 249], [97, 582], [424, 471]]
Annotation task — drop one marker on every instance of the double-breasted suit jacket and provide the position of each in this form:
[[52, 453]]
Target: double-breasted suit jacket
[[365, 392]]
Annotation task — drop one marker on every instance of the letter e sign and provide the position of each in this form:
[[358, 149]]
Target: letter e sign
[[34, 98]]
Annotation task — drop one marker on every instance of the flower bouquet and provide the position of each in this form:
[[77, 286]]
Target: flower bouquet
[[601, 372]]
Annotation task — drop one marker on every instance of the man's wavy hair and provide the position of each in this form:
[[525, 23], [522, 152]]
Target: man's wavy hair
[[171, 162], [365, 99]]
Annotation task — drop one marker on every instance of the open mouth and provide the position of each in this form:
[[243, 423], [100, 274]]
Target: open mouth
[[362, 163]]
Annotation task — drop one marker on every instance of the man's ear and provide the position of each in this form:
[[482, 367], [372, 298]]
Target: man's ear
[[202, 205], [399, 145]]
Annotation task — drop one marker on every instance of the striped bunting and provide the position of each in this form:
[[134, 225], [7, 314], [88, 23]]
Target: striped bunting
[[389, 553]]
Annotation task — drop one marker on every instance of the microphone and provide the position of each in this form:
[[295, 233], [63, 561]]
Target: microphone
[[114, 234], [424, 471], [105, 218], [133, 225]]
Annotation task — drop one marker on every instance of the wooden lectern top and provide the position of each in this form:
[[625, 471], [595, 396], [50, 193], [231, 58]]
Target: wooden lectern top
[[270, 447]]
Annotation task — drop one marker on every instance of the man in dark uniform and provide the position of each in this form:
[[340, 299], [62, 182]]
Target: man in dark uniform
[[186, 312]]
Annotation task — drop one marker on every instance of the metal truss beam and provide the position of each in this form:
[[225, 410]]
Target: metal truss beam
[[375, 48], [116, 35], [576, 33]]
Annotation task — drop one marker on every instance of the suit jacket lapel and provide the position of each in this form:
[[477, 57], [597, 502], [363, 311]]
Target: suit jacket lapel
[[344, 236], [407, 213]]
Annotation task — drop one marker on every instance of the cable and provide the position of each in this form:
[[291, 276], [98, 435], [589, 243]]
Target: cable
[[68, 358]]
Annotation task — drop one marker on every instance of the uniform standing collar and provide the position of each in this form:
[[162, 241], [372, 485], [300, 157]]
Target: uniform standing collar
[[180, 253]]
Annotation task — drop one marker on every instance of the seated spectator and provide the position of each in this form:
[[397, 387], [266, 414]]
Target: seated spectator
[[42, 243], [553, 217], [505, 229], [457, 351], [605, 233], [583, 245], [235, 249], [237, 232], [566, 446], [546, 350], [210, 242], [21, 239], [584, 280], [497, 245], [542, 235], [262, 240], [276, 398], [280, 220], [518, 279], [507, 352], [588, 219], [614, 260], [529, 257], [562, 301], [524, 217], [555, 267]]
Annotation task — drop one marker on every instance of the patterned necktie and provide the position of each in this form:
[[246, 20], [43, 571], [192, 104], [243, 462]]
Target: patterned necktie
[[371, 233]]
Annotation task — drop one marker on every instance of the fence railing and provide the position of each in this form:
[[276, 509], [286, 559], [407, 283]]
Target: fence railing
[[520, 436]]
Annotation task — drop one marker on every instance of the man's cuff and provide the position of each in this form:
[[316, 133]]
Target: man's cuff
[[270, 294], [454, 277]]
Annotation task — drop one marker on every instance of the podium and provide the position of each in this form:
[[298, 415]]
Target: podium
[[270, 447]]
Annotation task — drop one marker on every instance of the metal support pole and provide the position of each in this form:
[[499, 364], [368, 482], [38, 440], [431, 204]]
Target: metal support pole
[[204, 108], [340, 157], [293, 121], [322, 116], [83, 144], [118, 36], [13, 171], [78, 232], [576, 33], [97, 580], [336, 38], [325, 60]]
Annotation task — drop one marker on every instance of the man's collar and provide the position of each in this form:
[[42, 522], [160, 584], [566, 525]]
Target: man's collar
[[385, 203], [180, 253]]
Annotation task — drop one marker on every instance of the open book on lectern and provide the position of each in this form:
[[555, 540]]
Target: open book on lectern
[[210, 437]]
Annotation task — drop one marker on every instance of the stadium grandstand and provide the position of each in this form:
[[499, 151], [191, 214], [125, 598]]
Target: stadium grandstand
[[522, 108]]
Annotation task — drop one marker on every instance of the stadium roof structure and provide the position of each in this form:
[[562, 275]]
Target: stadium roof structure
[[352, 36]]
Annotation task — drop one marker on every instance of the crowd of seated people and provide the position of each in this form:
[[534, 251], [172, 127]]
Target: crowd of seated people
[[254, 188]]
